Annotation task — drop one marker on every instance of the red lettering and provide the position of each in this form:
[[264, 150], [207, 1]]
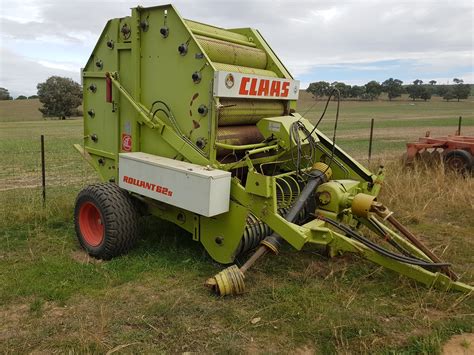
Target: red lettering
[[263, 87], [253, 87], [275, 89], [148, 185], [243, 86], [285, 89]]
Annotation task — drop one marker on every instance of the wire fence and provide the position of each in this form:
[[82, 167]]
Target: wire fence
[[24, 168], [21, 166]]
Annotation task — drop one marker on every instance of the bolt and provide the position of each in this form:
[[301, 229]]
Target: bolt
[[202, 110], [99, 64], [144, 25], [91, 113], [196, 77], [110, 44], [93, 87], [219, 240], [165, 32], [94, 138], [183, 48]]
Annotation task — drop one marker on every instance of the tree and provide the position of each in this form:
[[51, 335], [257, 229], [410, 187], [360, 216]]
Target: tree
[[441, 90], [449, 95], [319, 89], [393, 87], [425, 93], [357, 91], [416, 90], [432, 82], [373, 90], [60, 97], [458, 81], [461, 91], [21, 97], [344, 89], [32, 97], [5, 94]]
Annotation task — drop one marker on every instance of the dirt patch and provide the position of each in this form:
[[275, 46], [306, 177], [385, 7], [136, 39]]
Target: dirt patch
[[12, 317], [462, 344], [83, 258]]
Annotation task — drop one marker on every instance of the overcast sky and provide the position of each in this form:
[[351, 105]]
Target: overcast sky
[[350, 41]]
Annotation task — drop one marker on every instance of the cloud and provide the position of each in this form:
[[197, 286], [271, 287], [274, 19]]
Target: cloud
[[433, 36], [28, 73]]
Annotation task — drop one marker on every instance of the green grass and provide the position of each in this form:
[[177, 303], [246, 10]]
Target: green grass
[[53, 298]]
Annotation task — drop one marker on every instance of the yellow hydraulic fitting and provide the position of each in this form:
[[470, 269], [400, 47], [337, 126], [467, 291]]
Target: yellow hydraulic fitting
[[324, 168], [362, 204]]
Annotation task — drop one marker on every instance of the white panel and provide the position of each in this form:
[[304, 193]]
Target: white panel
[[230, 84], [192, 187]]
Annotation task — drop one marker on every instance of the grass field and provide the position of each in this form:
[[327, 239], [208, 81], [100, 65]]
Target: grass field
[[54, 298]]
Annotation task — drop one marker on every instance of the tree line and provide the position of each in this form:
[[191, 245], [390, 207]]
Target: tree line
[[393, 88]]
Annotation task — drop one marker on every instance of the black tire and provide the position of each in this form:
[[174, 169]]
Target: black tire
[[459, 161], [106, 220]]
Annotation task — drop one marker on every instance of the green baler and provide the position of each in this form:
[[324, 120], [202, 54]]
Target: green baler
[[197, 125]]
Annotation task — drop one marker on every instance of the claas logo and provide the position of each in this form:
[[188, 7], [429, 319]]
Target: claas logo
[[264, 87]]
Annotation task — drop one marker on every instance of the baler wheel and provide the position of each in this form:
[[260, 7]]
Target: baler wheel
[[459, 161], [106, 220]]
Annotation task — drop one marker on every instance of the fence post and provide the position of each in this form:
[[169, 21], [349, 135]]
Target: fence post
[[43, 171], [459, 125], [371, 138]]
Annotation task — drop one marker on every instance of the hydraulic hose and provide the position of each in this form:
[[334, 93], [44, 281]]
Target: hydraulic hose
[[371, 245]]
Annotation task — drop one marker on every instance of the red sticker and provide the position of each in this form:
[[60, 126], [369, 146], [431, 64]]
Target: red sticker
[[126, 142]]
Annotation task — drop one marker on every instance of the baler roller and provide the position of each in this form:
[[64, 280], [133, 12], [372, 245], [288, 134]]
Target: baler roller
[[234, 112], [219, 33], [244, 70], [232, 53], [237, 135]]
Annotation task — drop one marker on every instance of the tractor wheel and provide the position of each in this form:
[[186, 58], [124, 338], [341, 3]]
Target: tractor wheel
[[106, 220], [459, 161]]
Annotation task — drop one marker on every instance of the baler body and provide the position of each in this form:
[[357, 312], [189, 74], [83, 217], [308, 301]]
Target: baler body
[[215, 104]]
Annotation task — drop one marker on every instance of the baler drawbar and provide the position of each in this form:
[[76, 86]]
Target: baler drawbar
[[197, 125]]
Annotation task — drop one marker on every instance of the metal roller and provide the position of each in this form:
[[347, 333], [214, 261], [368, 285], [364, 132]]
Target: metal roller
[[244, 70], [231, 53], [234, 112], [237, 135], [216, 32]]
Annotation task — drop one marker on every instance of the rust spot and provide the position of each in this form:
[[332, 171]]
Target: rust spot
[[196, 124], [195, 96], [190, 112]]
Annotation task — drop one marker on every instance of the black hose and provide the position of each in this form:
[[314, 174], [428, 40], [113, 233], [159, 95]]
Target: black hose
[[387, 253]]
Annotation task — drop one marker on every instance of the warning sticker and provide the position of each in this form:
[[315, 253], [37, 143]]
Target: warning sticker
[[126, 142]]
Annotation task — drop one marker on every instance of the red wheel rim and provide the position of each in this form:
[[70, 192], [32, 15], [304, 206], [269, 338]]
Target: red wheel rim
[[90, 223]]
